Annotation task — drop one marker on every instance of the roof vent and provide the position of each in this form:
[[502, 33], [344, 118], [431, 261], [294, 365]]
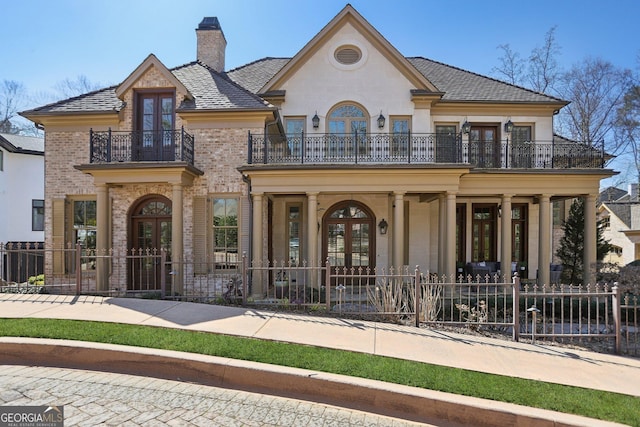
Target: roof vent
[[348, 55]]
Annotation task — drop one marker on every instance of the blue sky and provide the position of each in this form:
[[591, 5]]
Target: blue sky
[[46, 41]]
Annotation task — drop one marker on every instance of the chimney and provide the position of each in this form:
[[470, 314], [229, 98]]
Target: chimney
[[633, 192], [211, 43]]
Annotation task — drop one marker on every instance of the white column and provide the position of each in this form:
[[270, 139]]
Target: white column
[[398, 229], [256, 245], [505, 258], [102, 236], [450, 258], [590, 239], [442, 228], [544, 240], [177, 244]]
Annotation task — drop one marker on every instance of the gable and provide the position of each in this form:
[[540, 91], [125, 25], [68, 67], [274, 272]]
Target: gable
[[348, 28], [153, 74]]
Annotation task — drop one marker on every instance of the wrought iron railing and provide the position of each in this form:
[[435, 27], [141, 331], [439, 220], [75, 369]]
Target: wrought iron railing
[[175, 145], [420, 149]]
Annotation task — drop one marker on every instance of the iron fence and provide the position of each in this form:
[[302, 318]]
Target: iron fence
[[489, 303]]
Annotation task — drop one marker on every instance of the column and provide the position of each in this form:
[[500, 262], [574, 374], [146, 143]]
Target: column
[[398, 229], [505, 258], [312, 236], [544, 240], [590, 240], [442, 228], [177, 243], [450, 238], [102, 237], [257, 245]]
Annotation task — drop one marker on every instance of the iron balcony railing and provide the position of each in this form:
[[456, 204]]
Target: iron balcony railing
[[420, 149], [175, 145]]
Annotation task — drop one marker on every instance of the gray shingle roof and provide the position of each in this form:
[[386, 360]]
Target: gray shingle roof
[[21, 144], [611, 194], [622, 211], [457, 84], [210, 89]]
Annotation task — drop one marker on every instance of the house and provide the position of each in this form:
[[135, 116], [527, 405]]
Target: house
[[22, 195], [619, 213], [348, 152]]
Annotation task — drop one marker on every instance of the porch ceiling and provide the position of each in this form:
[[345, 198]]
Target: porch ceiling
[[142, 173]]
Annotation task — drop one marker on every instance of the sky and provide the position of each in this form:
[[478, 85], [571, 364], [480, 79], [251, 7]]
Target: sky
[[46, 41]]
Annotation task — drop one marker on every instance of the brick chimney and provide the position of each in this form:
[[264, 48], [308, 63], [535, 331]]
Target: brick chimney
[[211, 43]]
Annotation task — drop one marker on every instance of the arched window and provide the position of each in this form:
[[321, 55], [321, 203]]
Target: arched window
[[348, 125]]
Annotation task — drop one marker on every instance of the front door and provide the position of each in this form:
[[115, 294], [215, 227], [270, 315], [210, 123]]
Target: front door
[[156, 126], [151, 233], [349, 240], [484, 147]]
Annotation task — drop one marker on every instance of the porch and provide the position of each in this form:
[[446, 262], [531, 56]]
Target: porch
[[421, 149]]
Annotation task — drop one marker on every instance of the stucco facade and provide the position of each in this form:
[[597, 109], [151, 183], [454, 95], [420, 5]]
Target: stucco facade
[[303, 160]]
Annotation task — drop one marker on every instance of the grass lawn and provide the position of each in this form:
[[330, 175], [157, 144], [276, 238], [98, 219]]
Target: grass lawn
[[574, 400]]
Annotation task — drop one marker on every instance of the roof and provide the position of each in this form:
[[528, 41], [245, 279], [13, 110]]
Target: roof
[[611, 194], [22, 144], [622, 210], [457, 84], [211, 91]]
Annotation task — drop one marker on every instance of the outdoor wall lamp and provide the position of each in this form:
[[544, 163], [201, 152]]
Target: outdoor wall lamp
[[508, 127], [381, 120], [466, 127], [383, 226], [316, 121]]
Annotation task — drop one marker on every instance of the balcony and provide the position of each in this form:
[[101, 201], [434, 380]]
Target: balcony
[[174, 145], [420, 149]]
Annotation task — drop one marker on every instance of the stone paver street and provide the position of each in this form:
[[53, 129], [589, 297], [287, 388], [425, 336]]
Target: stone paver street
[[99, 398]]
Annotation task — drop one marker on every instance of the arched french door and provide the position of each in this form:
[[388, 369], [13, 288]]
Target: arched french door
[[349, 237], [150, 221]]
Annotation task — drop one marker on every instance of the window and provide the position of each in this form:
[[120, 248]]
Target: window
[[84, 223], [605, 222], [294, 233], [521, 149], [157, 122], [400, 131], [37, 215], [225, 232], [446, 146], [519, 240], [294, 128], [484, 233], [347, 123]]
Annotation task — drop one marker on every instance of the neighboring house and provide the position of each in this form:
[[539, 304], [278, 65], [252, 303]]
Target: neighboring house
[[22, 195], [619, 213], [348, 152]]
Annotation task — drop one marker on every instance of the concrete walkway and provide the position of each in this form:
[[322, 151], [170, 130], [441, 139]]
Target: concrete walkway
[[533, 361]]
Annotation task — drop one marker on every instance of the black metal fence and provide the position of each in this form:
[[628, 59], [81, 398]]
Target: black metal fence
[[420, 149]]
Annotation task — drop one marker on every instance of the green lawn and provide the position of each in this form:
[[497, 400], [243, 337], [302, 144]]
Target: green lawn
[[574, 400]]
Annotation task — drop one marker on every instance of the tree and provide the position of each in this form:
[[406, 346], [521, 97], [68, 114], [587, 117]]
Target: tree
[[12, 95], [596, 89], [68, 88], [628, 125], [571, 247]]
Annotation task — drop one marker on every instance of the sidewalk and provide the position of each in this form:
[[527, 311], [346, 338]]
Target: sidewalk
[[533, 361]]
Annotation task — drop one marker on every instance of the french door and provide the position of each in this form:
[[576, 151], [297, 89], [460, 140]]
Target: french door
[[156, 126], [151, 233], [484, 233], [484, 147], [349, 239]]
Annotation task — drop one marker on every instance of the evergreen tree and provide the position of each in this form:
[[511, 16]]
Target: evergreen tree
[[571, 248]]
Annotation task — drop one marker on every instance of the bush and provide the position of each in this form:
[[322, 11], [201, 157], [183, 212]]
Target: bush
[[37, 280]]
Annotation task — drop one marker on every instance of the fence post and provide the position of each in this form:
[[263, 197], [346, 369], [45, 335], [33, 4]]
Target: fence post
[[327, 284], [163, 277], [78, 268], [418, 292], [617, 314], [516, 307]]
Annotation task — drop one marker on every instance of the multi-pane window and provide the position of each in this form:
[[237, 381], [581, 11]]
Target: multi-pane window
[[400, 131], [225, 232], [84, 223], [446, 144], [294, 128], [294, 230], [37, 215], [348, 126], [521, 149], [519, 233]]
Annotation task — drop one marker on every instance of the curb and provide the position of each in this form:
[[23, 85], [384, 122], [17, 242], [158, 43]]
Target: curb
[[410, 403]]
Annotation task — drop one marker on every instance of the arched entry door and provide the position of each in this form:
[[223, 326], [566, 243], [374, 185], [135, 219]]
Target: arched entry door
[[349, 238], [150, 232]]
